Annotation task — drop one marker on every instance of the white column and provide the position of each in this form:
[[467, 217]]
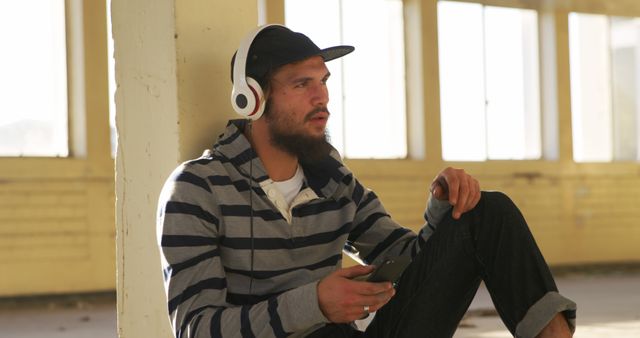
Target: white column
[[172, 99]]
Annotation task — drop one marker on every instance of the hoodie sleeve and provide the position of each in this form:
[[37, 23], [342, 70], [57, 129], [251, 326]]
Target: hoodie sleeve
[[377, 236]]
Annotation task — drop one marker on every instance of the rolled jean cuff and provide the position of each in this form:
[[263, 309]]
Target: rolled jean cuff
[[541, 313]]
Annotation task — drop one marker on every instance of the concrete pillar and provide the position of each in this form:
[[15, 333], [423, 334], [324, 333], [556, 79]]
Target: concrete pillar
[[172, 99]]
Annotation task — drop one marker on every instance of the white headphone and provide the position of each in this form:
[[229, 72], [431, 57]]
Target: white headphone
[[247, 97]]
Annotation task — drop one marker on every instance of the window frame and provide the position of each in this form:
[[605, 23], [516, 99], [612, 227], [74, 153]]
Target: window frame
[[423, 102], [88, 111], [344, 84], [529, 75], [68, 33], [613, 137]]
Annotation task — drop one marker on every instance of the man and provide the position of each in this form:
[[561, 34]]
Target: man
[[251, 233]]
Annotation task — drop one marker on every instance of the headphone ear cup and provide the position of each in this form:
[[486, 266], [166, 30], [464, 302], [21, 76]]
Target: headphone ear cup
[[248, 99], [258, 99]]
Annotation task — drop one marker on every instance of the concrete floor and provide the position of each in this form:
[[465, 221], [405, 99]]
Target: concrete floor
[[59, 317], [608, 305]]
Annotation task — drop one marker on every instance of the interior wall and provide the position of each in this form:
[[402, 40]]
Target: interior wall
[[578, 216]]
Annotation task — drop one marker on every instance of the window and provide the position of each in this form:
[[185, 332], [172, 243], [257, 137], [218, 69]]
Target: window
[[605, 87], [33, 84], [367, 88], [489, 82]]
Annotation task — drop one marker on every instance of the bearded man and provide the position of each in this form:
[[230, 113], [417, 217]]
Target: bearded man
[[251, 233]]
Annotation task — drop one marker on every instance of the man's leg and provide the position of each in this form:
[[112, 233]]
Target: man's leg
[[333, 330], [557, 328], [436, 289], [491, 242], [515, 272]]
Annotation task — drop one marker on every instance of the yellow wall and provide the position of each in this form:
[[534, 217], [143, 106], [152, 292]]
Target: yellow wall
[[578, 214], [57, 214]]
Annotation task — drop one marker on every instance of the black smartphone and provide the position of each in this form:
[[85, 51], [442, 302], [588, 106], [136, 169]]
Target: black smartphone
[[390, 270]]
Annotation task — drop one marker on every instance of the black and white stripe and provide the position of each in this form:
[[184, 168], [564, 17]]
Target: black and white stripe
[[206, 244]]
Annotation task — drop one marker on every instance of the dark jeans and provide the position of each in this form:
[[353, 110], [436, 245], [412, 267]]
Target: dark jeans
[[493, 243]]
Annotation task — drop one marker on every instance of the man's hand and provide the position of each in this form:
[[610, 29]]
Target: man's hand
[[343, 300], [459, 188]]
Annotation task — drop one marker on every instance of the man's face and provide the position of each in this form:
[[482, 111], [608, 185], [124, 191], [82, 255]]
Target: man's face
[[297, 110]]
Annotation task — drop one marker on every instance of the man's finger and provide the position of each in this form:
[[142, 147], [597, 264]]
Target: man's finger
[[369, 288], [452, 186], [439, 188], [375, 299], [463, 194], [376, 302], [355, 271], [436, 191], [475, 196]]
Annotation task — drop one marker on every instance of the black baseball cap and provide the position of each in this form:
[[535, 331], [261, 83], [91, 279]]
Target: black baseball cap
[[277, 46]]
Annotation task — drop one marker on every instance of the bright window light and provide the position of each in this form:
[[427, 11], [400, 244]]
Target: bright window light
[[489, 82], [625, 76], [604, 87], [590, 87], [366, 89], [113, 135], [33, 80]]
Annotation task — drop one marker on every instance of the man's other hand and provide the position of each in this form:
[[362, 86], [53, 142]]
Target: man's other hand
[[459, 188], [343, 299]]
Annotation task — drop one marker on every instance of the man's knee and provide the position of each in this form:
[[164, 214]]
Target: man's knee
[[500, 213], [497, 201]]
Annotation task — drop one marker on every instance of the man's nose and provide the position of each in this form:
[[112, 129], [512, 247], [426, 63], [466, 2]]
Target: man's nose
[[320, 96]]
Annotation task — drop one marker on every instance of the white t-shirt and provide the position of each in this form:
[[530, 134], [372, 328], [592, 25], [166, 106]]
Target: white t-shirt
[[291, 187], [287, 194]]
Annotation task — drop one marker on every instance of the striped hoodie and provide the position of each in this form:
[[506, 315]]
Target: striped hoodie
[[206, 213]]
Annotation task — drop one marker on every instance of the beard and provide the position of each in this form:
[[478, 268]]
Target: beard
[[308, 149]]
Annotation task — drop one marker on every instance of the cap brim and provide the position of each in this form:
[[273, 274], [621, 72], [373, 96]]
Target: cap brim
[[331, 53]]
